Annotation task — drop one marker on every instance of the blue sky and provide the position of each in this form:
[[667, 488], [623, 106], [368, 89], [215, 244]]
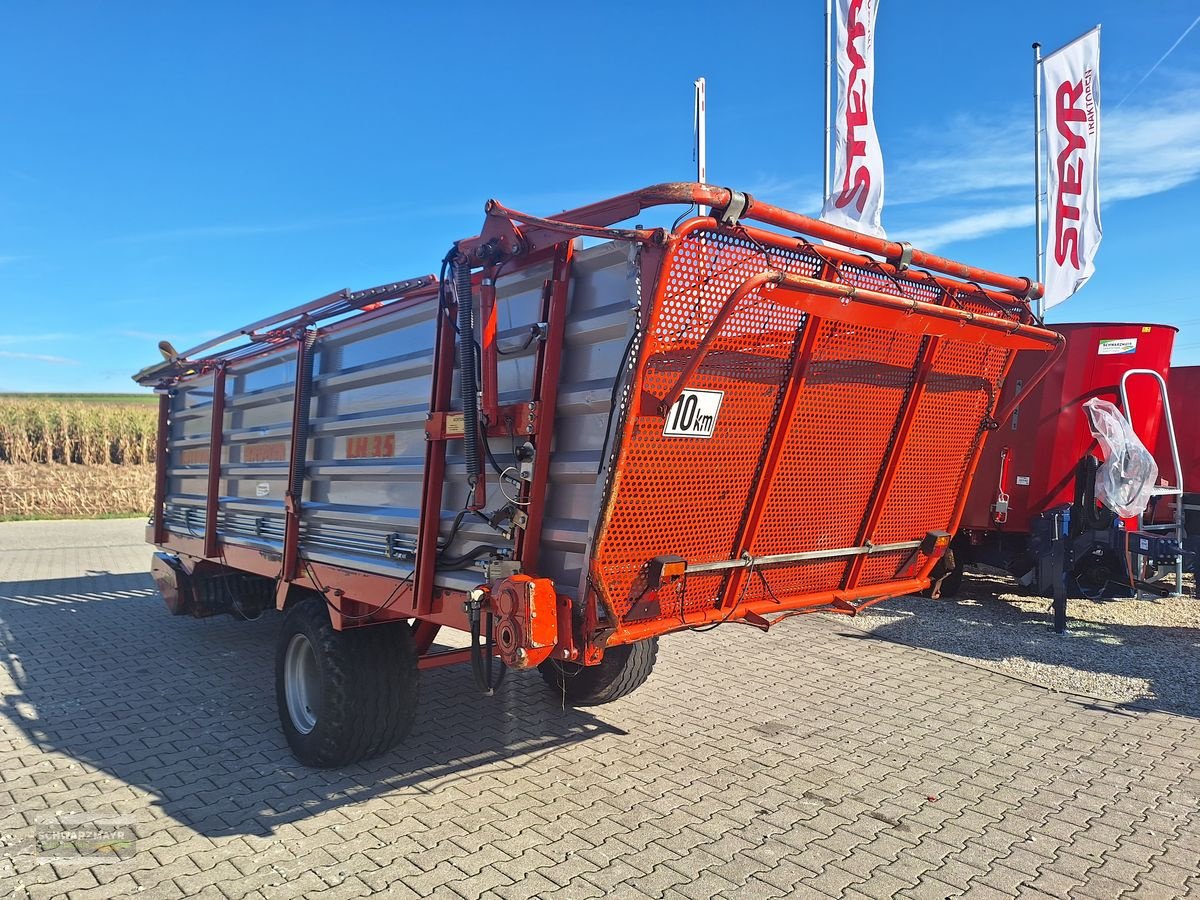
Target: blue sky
[[176, 170]]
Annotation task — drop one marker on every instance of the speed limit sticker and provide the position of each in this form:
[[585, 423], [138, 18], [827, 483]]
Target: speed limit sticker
[[694, 414]]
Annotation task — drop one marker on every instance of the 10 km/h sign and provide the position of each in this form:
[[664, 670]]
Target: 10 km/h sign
[[694, 414]]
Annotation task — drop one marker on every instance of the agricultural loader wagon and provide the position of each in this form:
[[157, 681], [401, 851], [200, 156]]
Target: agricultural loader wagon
[[576, 439]]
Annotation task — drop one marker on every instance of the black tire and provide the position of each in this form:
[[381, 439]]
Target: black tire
[[361, 685], [621, 672]]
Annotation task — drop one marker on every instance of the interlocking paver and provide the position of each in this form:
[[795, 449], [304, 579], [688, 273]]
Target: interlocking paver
[[744, 768]]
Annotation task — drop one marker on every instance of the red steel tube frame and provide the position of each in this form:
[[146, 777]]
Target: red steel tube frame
[[1022, 337], [630, 632], [540, 231], [545, 394], [489, 357], [293, 501], [430, 522]]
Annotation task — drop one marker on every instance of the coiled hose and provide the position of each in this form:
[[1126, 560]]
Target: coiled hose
[[466, 369]]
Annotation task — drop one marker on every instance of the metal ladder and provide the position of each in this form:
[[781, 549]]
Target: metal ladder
[[1162, 490]]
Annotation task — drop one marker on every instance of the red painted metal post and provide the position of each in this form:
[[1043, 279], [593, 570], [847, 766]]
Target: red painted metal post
[[793, 387], [545, 395], [430, 523], [424, 633], [294, 500], [895, 452], [160, 468], [216, 433]]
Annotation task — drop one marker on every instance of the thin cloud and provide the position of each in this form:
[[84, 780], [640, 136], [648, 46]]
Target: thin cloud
[[39, 357], [138, 335], [1144, 151], [249, 229], [791, 193], [8, 340], [1161, 60], [472, 208], [967, 228]]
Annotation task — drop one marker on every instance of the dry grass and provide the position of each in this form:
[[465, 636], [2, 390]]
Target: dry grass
[[45, 430], [40, 491], [67, 458]]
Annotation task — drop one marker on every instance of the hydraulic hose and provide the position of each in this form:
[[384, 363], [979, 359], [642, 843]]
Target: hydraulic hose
[[466, 368], [483, 658]]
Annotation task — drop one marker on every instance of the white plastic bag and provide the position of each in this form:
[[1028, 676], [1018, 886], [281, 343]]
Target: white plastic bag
[[1124, 479]]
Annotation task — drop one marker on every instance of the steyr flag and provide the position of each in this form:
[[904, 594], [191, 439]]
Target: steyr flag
[[1072, 89], [856, 196]]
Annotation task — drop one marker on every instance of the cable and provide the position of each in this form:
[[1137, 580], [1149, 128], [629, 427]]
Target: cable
[[236, 603], [443, 303], [481, 670], [534, 334], [612, 398], [385, 605], [455, 526], [487, 450], [741, 596], [512, 500], [462, 561]]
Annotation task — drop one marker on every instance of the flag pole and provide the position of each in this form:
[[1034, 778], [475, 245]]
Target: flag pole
[[701, 140], [828, 91], [1039, 262]]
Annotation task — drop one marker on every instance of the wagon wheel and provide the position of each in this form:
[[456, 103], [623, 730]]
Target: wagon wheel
[[343, 696]]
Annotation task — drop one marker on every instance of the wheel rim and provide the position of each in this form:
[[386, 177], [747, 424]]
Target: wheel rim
[[301, 683]]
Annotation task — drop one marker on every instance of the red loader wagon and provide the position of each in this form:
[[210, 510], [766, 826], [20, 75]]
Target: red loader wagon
[[577, 439]]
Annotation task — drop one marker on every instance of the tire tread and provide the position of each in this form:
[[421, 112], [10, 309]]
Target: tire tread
[[370, 692]]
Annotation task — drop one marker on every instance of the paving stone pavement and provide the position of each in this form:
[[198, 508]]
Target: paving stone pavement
[[813, 761]]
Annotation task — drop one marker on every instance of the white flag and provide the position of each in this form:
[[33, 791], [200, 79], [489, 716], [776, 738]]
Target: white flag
[[856, 195], [1072, 87]]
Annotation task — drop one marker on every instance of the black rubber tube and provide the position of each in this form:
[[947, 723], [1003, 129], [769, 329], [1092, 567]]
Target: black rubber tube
[[468, 389]]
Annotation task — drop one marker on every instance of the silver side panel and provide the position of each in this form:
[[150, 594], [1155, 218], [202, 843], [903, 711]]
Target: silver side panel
[[371, 388]]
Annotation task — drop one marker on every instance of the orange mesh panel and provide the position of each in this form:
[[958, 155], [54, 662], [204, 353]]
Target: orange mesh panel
[[688, 495], [851, 397], [691, 496], [934, 460]]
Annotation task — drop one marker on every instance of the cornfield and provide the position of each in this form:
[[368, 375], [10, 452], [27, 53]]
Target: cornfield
[[40, 491], [74, 459], [49, 431]]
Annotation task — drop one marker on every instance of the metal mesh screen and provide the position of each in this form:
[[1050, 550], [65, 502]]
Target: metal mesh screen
[[691, 496]]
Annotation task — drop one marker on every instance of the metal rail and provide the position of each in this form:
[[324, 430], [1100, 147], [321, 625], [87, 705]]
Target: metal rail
[[268, 331], [966, 324], [746, 561], [734, 206]]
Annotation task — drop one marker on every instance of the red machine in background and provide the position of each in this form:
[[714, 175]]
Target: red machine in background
[[1184, 388], [1184, 384], [1039, 468]]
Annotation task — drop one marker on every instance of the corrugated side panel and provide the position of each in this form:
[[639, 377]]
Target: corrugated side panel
[[257, 438], [371, 388]]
